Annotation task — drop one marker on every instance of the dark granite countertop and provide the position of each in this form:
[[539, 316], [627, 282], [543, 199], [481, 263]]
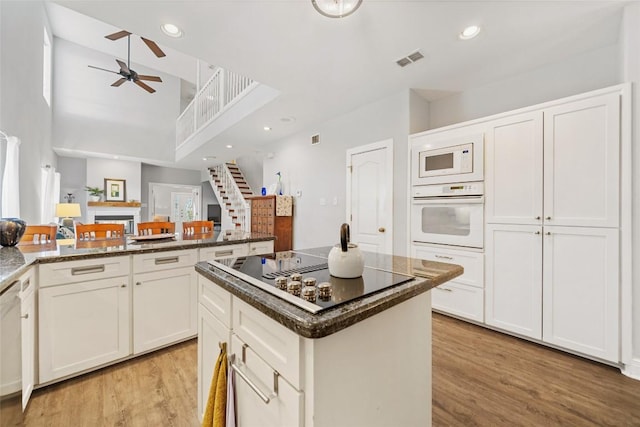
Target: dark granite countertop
[[16, 260], [428, 274]]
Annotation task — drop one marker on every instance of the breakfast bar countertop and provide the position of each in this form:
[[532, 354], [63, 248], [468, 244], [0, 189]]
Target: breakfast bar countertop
[[16, 260], [428, 274]]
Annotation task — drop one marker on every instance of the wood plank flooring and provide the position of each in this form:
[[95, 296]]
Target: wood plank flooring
[[480, 378]]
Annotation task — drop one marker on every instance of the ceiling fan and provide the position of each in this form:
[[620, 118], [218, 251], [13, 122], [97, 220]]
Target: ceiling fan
[[125, 69]]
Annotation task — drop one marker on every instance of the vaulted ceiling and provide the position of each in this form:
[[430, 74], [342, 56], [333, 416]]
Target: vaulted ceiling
[[326, 67]]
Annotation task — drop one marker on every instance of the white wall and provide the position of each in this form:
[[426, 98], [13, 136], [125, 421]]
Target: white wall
[[23, 110], [99, 169], [319, 171], [580, 73], [251, 167], [73, 175], [92, 116]]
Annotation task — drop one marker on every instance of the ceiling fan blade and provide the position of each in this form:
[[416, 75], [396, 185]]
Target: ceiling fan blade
[[144, 86], [118, 35], [154, 47], [149, 78], [103, 69], [123, 67], [119, 82]]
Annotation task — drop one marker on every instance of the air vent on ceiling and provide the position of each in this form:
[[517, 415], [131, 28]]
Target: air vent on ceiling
[[410, 59], [315, 139]]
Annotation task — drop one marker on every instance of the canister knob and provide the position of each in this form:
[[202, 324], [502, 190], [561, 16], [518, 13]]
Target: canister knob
[[296, 277], [324, 290], [281, 283], [309, 293], [309, 281]]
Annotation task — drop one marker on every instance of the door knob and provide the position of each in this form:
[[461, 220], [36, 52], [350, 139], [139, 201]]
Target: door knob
[[381, 229]]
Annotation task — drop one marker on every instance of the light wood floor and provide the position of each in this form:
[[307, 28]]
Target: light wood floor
[[480, 378]]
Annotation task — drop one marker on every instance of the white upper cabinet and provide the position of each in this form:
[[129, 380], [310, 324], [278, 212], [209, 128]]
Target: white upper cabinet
[[513, 179], [582, 162]]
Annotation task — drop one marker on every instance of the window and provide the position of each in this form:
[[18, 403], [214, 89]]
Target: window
[[46, 67]]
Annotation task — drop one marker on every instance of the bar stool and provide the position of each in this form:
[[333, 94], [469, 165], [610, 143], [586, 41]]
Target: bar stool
[[99, 231], [156, 227]]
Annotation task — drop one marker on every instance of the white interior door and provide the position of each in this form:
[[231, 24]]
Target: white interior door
[[370, 196], [178, 202]]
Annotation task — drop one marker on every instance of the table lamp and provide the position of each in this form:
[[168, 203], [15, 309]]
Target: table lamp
[[67, 211]]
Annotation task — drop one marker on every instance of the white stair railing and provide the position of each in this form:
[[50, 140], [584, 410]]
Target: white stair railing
[[223, 89], [235, 207]]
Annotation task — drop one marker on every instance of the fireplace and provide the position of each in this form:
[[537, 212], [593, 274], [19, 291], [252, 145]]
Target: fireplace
[[126, 220], [127, 213]]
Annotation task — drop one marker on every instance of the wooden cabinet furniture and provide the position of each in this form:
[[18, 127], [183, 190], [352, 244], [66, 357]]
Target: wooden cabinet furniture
[[552, 242], [164, 299], [84, 312], [265, 219]]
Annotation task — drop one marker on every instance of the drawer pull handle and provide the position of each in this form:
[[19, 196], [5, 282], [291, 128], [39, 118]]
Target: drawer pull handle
[[443, 257], [253, 386], [168, 260], [87, 270], [224, 253], [444, 289]]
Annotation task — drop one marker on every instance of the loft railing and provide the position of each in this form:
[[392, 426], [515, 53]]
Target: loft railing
[[222, 90]]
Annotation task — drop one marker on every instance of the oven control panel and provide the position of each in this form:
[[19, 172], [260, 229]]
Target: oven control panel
[[444, 190]]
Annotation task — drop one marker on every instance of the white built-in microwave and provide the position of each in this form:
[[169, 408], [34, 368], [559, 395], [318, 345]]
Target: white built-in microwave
[[445, 161]]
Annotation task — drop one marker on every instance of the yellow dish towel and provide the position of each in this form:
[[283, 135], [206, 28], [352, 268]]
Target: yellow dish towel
[[215, 413]]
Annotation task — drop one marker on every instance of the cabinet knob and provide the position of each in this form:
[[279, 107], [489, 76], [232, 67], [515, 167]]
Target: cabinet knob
[[537, 232], [138, 283], [26, 316], [381, 229], [547, 218], [538, 217], [548, 233], [123, 285]]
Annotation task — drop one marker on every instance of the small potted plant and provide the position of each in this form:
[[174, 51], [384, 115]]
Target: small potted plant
[[94, 193]]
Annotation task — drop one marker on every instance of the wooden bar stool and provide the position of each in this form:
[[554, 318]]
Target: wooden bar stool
[[197, 227], [99, 231], [39, 234], [156, 227]]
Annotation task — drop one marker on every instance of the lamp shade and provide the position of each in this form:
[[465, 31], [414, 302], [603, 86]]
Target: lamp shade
[[336, 8], [68, 210]]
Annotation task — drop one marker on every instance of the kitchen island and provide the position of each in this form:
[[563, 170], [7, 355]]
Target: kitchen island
[[364, 361]]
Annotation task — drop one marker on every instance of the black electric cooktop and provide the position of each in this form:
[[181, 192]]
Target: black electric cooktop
[[263, 272]]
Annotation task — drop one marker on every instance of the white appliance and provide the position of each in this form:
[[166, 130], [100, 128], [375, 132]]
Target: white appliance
[[448, 214], [445, 161]]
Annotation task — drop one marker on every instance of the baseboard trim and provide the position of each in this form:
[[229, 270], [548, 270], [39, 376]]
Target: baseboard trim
[[632, 370]]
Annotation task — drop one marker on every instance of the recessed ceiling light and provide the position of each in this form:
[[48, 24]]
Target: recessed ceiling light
[[289, 119], [470, 32], [171, 30], [229, 146], [267, 128]]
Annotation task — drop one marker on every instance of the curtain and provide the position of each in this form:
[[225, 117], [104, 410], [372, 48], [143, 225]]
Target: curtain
[[10, 179], [50, 184]]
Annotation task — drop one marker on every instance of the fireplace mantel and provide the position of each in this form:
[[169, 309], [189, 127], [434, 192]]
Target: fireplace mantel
[[115, 204]]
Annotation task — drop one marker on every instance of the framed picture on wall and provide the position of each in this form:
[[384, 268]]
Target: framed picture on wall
[[115, 190]]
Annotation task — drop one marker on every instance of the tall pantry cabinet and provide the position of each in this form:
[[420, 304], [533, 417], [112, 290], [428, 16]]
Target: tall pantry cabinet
[[552, 224]]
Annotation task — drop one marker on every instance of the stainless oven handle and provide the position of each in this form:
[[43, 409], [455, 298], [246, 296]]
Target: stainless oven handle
[[468, 200]]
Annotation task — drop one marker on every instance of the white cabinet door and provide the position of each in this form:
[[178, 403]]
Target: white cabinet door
[[513, 176], [581, 290], [285, 408], [513, 290], [28, 329], [165, 307], [82, 325], [211, 332], [582, 163]]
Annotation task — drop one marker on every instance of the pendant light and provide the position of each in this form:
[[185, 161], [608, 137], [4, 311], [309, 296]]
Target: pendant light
[[336, 8]]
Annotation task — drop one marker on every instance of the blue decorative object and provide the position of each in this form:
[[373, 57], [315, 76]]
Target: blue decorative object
[[264, 191], [11, 230]]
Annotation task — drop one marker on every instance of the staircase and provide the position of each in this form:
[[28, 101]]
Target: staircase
[[231, 188]]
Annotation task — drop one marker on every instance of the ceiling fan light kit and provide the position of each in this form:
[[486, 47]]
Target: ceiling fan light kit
[[125, 68], [336, 8]]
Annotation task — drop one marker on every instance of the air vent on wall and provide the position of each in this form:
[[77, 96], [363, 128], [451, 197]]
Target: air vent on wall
[[410, 59], [315, 139]]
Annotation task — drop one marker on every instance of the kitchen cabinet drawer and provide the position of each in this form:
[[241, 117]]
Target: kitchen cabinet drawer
[[82, 271], [215, 299], [285, 406], [259, 248], [459, 300], [225, 251], [277, 345], [472, 262], [158, 261]]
